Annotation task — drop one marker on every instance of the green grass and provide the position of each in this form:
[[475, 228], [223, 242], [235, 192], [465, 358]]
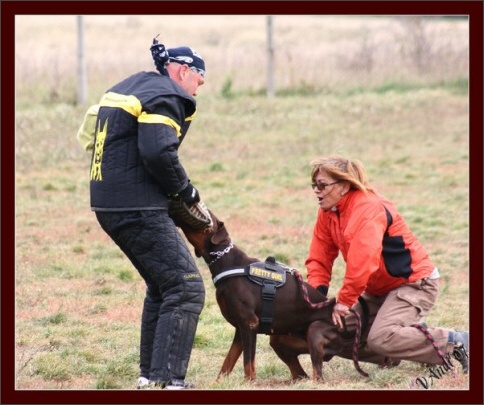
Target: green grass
[[252, 168], [78, 299]]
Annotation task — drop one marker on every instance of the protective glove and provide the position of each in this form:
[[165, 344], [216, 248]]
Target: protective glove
[[190, 195]]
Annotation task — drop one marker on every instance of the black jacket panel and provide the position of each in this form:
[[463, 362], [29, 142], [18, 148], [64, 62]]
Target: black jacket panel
[[140, 125]]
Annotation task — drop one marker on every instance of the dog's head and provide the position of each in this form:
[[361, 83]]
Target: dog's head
[[208, 240]]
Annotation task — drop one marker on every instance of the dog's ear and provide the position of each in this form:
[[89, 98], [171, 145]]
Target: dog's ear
[[197, 253], [220, 235]]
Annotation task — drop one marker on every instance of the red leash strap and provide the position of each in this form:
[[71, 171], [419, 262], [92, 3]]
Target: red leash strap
[[356, 343], [426, 332], [316, 305]]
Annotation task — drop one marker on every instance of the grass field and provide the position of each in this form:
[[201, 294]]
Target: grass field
[[78, 299]]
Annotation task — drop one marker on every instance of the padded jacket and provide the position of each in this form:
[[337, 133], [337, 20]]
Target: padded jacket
[[379, 249], [134, 134]]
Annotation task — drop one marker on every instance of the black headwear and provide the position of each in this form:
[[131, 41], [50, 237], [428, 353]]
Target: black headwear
[[187, 56], [160, 56], [183, 55]]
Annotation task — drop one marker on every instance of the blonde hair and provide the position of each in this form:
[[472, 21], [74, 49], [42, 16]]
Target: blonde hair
[[341, 168]]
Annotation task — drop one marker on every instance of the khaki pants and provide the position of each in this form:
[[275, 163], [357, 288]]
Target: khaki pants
[[391, 334]]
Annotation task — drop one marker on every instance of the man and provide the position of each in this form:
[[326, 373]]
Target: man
[[134, 134]]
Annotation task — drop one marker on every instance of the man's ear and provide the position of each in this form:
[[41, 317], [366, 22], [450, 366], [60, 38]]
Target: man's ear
[[183, 72]]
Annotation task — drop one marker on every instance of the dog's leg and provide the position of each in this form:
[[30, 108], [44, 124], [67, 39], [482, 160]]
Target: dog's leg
[[249, 343], [288, 348], [232, 356], [315, 343]]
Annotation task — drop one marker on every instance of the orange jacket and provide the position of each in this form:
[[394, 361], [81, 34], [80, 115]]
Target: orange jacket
[[357, 228]]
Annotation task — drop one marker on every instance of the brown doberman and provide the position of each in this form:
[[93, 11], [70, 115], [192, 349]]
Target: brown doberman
[[296, 326]]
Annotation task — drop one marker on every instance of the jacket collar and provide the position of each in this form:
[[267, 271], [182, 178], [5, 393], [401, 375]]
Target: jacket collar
[[344, 202]]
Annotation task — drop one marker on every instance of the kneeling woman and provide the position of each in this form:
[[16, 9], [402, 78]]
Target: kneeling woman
[[385, 263]]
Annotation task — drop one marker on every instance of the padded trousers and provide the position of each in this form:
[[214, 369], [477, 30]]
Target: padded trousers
[[175, 292]]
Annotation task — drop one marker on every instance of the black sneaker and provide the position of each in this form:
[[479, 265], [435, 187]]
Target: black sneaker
[[461, 350], [176, 384]]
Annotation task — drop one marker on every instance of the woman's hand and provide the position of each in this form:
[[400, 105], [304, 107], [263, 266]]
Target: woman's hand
[[339, 311]]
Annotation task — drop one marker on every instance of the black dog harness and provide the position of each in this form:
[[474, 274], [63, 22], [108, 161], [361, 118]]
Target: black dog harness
[[270, 275]]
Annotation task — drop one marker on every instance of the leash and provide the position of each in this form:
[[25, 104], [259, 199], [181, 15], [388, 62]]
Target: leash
[[319, 305], [316, 305], [356, 344], [429, 336]]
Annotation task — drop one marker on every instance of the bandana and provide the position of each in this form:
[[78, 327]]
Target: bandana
[[183, 55], [187, 56]]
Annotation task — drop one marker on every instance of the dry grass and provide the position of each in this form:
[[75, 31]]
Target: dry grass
[[331, 52]]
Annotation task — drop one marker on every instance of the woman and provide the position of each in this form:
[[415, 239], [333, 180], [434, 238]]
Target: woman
[[385, 263]]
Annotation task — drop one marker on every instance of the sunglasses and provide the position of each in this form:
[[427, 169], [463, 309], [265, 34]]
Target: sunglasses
[[197, 70], [322, 186]]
